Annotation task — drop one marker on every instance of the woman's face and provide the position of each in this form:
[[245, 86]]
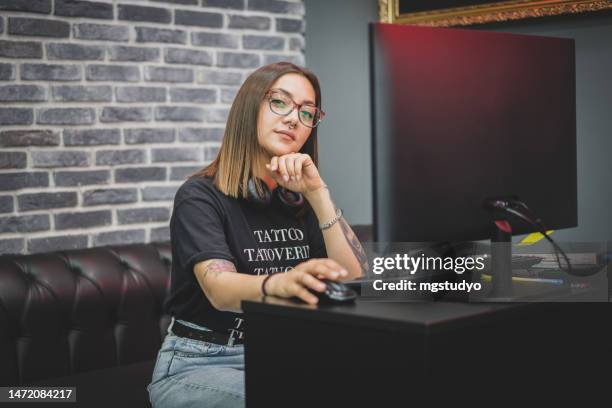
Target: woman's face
[[280, 135]]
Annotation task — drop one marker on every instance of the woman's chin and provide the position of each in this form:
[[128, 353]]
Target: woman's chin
[[281, 149]]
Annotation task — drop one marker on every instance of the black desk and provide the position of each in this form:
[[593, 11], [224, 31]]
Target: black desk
[[372, 352]]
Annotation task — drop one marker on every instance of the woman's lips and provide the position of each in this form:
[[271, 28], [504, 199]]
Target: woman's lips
[[286, 134]]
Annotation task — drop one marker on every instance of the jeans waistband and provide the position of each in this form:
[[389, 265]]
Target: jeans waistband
[[193, 331], [186, 323]]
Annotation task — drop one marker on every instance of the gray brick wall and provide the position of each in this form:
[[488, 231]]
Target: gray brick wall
[[107, 106]]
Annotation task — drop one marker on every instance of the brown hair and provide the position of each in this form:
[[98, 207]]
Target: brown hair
[[240, 151]]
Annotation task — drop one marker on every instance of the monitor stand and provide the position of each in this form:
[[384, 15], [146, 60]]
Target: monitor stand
[[501, 264], [503, 289]]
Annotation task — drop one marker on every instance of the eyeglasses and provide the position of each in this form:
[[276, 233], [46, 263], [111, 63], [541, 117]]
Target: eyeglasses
[[282, 104]]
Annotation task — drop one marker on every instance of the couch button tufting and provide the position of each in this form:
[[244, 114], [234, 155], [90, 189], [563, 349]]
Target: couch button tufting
[[86, 310]]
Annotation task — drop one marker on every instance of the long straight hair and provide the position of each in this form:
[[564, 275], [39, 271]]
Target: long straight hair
[[240, 151]]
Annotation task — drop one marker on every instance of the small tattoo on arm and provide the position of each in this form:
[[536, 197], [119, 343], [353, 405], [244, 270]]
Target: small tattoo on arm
[[355, 245], [217, 267]]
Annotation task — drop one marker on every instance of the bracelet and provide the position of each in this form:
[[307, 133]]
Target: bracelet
[[331, 222], [263, 283]]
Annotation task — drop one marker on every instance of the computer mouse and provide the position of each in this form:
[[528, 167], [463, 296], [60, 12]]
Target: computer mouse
[[335, 293]]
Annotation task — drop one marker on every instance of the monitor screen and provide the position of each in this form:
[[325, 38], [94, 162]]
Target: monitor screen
[[462, 116]]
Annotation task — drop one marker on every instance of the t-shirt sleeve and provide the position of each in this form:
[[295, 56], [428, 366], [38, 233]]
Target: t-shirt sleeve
[[315, 237], [197, 233]]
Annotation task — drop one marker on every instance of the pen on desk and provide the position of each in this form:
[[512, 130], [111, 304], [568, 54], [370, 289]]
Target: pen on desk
[[487, 278]]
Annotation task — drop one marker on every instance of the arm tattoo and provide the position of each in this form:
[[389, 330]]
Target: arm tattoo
[[217, 266], [355, 246]]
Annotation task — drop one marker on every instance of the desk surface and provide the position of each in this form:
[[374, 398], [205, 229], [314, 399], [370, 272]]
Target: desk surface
[[404, 316], [415, 315]]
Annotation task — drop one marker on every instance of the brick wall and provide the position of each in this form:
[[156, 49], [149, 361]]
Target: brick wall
[[106, 107]]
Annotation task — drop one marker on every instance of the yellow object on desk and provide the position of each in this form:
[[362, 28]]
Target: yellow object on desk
[[533, 238], [487, 278]]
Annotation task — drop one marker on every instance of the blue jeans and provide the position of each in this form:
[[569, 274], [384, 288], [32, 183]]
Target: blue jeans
[[191, 373]]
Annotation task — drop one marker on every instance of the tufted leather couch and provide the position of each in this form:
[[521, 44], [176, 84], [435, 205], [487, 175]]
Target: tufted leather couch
[[90, 318]]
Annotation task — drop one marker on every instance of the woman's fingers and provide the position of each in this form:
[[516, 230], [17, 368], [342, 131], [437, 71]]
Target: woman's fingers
[[282, 168], [276, 166], [294, 288], [274, 163], [298, 167], [303, 281], [290, 164], [312, 282], [326, 268], [306, 296]]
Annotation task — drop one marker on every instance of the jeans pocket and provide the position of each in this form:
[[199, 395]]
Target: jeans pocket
[[190, 354], [189, 348], [213, 352], [162, 366]]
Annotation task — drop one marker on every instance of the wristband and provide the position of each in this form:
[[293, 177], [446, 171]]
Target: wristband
[[263, 283], [331, 222]]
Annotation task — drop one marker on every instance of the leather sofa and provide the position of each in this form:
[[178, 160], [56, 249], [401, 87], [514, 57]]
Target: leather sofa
[[89, 318]]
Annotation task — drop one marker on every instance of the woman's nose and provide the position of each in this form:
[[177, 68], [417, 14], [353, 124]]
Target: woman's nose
[[292, 117]]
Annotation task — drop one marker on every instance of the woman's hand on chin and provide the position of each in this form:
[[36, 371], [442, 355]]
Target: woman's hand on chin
[[296, 172]]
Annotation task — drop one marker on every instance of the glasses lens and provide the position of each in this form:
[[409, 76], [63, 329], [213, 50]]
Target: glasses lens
[[280, 104], [310, 115]]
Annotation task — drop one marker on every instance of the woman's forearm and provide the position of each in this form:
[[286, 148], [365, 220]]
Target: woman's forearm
[[224, 287], [341, 242]]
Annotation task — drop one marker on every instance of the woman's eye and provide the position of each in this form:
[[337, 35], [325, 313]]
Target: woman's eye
[[307, 115], [279, 103]]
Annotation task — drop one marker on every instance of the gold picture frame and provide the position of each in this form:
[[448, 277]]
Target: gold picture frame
[[488, 13]]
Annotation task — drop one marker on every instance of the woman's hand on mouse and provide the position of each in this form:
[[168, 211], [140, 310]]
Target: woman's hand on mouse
[[305, 277], [296, 172]]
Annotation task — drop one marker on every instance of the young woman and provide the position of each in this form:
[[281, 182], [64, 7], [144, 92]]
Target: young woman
[[257, 221]]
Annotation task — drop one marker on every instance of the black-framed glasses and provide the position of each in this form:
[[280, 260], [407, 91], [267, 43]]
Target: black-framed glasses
[[282, 104]]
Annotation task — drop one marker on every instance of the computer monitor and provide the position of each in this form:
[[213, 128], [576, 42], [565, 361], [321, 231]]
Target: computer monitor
[[464, 117], [461, 116]]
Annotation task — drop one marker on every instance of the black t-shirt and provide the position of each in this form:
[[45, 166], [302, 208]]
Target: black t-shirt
[[207, 224]]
